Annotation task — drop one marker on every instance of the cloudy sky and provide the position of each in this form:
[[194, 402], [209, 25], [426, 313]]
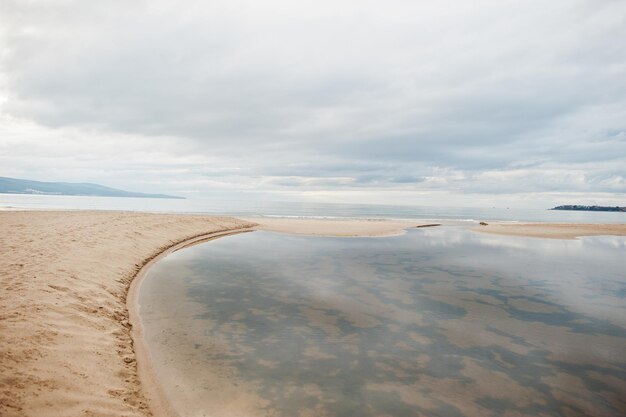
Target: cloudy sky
[[406, 102]]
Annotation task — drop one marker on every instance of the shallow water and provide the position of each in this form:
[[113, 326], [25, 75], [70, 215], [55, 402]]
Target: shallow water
[[438, 322]]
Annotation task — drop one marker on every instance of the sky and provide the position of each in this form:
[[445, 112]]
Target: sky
[[488, 102]]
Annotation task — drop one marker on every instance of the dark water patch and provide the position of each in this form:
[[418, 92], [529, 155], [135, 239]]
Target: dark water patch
[[515, 339], [591, 326]]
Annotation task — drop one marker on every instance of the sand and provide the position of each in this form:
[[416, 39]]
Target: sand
[[332, 227], [65, 345], [553, 230], [65, 336]]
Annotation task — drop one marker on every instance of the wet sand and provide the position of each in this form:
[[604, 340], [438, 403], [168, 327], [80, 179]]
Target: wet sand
[[337, 228], [553, 230], [65, 338]]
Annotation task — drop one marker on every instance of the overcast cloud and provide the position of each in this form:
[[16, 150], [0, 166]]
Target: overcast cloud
[[365, 101]]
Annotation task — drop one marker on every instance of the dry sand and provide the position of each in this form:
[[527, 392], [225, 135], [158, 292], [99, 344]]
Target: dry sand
[[65, 339], [65, 346], [553, 230]]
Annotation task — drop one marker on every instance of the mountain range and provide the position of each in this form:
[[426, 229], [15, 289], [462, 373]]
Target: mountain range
[[21, 186]]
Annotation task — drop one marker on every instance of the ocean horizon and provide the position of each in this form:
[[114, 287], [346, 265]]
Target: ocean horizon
[[290, 209]]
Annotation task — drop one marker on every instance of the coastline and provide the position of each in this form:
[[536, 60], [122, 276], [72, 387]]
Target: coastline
[[152, 389], [150, 385], [66, 344], [70, 331]]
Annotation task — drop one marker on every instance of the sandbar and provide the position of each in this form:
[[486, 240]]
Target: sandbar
[[335, 227], [553, 230]]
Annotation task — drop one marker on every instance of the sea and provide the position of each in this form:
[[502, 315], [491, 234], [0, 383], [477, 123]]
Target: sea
[[305, 209]]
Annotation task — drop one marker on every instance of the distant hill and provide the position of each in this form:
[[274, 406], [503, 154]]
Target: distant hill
[[19, 186], [589, 208]]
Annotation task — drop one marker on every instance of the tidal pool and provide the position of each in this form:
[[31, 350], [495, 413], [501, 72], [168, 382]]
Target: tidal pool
[[437, 322]]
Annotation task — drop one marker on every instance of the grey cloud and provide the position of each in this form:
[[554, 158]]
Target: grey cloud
[[357, 95]]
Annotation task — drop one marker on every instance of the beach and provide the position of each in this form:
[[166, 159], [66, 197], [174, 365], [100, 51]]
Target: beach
[[65, 345], [65, 336]]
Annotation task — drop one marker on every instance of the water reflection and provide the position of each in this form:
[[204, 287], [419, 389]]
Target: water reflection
[[439, 322]]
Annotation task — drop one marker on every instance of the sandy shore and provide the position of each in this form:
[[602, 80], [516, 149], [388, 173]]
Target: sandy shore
[[341, 228], [65, 337], [65, 345], [553, 230]]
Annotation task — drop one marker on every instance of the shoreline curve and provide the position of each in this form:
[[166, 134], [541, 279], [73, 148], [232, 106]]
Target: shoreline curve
[[65, 339], [149, 382], [150, 386]]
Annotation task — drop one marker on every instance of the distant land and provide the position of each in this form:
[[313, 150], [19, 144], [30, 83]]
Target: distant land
[[590, 208], [20, 186]]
